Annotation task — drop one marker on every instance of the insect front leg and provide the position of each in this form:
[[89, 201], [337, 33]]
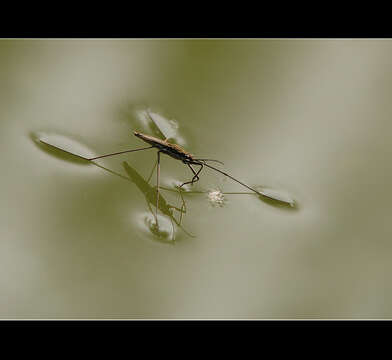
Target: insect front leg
[[196, 174]]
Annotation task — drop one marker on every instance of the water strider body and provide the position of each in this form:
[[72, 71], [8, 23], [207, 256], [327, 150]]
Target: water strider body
[[177, 152], [173, 150]]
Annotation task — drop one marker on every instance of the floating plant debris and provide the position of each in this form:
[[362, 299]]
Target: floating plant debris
[[216, 198]]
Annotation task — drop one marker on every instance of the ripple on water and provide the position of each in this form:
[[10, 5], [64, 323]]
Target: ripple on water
[[173, 184], [63, 147], [153, 122], [166, 232]]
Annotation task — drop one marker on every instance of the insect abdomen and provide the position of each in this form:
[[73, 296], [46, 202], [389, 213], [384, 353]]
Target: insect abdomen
[[172, 150]]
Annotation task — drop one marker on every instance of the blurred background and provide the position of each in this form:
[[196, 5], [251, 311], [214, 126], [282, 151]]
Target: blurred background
[[306, 117]]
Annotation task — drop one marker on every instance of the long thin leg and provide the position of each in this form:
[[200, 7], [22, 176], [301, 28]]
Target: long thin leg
[[158, 175], [120, 152], [211, 167], [195, 177]]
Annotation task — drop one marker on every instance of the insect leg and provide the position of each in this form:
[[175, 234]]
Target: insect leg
[[158, 174], [222, 172], [118, 153], [196, 175]]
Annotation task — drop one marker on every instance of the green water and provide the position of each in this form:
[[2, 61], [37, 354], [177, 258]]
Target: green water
[[308, 118]]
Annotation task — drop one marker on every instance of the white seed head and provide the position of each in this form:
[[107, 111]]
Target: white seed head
[[216, 198]]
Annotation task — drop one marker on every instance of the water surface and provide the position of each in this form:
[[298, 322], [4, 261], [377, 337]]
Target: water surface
[[308, 120]]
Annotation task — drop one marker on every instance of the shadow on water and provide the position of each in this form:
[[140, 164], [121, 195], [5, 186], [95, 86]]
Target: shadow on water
[[161, 233], [56, 146], [150, 195], [56, 151], [277, 198], [279, 204], [149, 192]]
